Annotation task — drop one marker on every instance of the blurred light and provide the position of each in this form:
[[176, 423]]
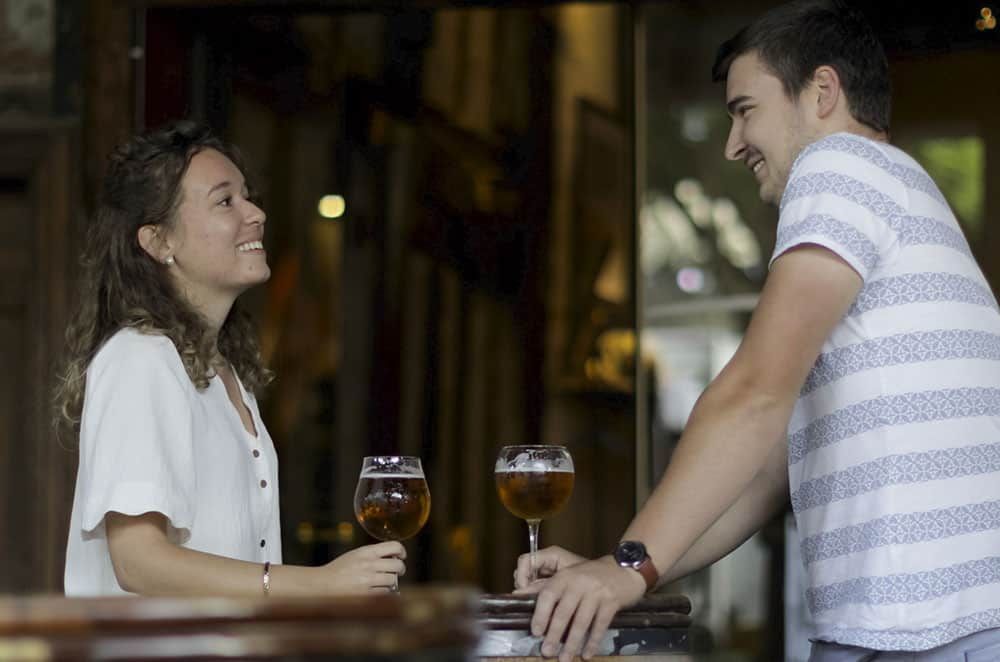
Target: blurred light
[[669, 237], [694, 125], [724, 212], [688, 190], [306, 533], [691, 280], [332, 206], [700, 211], [345, 533], [988, 20]]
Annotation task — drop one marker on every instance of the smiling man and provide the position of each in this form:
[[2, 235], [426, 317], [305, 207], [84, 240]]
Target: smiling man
[[866, 388]]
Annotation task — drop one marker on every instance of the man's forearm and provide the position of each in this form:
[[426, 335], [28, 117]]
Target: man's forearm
[[732, 435], [762, 500]]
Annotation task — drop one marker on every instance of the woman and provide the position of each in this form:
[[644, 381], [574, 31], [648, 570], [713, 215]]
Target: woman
[[176, 491]]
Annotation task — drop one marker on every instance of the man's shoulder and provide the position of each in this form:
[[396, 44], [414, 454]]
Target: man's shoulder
[[843, 150]]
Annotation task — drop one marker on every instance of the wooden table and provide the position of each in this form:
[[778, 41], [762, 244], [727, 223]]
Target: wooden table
[[420, 625]]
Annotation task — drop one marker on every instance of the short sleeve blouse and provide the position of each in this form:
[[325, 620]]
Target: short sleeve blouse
[[152, 442]]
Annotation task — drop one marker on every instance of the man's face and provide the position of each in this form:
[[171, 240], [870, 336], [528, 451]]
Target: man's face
[[768, 130]]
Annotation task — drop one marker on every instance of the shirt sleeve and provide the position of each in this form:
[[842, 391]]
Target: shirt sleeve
[[842, 202], [136, 441]]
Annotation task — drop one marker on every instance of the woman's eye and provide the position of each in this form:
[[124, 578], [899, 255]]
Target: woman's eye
[[226, 201]]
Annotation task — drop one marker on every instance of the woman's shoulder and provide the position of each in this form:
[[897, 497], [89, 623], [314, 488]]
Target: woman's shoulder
[[134, 350]]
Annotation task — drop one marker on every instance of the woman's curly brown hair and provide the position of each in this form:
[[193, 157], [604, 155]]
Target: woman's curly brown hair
[[123, 286]]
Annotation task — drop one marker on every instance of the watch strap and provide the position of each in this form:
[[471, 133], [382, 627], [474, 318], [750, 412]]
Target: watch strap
[[648, 572]]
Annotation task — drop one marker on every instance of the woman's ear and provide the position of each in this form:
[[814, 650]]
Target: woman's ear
[[152, 241]]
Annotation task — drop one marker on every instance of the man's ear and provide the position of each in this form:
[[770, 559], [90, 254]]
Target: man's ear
[[152, 241], [826, 88]]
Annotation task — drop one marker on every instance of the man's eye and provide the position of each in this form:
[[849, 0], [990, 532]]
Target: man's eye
[[743, 110], [226, 201]]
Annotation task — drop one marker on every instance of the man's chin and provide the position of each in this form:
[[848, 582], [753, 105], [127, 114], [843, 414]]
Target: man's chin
[[768, 197]]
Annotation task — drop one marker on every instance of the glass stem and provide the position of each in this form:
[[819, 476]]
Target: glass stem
[[533, 547], [395, 584]]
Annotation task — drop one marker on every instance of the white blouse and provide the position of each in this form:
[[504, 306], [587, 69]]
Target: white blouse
[[151, 442]]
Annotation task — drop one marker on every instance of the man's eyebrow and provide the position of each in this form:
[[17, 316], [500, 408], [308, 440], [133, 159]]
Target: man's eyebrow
[[731, 106]]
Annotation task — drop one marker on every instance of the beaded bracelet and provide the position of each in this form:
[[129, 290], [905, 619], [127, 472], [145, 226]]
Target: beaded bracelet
[[267, 578]]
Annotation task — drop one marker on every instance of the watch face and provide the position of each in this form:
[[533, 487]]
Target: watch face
[[630, 552]]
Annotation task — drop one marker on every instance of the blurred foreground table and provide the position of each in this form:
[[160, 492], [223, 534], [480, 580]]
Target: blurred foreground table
[[419, 625], [657, 628]]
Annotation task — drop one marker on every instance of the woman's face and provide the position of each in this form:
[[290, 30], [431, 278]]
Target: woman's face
[[216, 239]]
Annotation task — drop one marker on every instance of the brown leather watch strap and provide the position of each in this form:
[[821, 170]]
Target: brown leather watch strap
[[649, 573]]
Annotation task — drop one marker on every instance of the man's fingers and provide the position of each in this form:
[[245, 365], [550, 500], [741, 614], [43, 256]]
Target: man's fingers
[[522, 576], [562, 614], [602, 619], [578, 631], [544, 605], [532, 588]]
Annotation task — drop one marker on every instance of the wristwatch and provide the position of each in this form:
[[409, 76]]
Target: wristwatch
[[632, 554]]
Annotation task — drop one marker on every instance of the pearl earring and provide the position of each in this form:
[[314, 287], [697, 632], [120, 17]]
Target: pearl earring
[[170, 259]]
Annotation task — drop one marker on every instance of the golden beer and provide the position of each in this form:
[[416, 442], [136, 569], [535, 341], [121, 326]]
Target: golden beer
[[392, 506], [534, 495]]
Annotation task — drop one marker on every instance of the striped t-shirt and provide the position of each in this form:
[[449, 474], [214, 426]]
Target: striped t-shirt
[[894, 443]]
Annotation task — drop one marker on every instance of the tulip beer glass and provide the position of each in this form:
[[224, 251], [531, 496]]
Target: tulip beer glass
[[534, 483], [392, 501]]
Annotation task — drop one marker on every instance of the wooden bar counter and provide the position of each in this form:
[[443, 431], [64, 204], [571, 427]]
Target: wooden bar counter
[[421, 624]]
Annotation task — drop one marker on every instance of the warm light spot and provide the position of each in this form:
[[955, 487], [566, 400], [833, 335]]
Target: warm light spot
[[345, 533], [306, 533], [332, 206], [988, 20]]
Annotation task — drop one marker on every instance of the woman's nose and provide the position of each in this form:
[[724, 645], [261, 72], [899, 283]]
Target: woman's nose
[[255, 214]]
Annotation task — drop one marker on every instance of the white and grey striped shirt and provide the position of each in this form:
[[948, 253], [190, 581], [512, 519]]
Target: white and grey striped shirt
[[894, 443]]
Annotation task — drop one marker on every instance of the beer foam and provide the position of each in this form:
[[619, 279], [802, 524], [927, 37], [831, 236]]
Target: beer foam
[[395, 476], [532, 470]]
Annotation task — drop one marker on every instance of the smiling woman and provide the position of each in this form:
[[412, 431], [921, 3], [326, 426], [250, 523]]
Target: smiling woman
[[176, 492]]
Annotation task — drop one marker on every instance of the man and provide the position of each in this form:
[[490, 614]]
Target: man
[[867, 385]]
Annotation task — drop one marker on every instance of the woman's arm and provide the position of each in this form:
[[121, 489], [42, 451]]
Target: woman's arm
[[147, 563]]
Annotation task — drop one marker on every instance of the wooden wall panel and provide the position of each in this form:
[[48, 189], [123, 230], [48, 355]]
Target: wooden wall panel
[[37, 231]]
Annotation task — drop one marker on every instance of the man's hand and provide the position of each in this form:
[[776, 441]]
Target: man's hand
[[548, 562], [584, 598]]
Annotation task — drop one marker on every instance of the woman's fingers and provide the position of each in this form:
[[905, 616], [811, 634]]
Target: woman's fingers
[[389, 548], [389, 565]]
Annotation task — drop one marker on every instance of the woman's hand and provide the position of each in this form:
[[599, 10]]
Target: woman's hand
[[372, 568], [548, 562]]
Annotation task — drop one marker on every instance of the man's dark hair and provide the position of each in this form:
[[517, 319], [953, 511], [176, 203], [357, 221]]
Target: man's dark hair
[[793, 40]]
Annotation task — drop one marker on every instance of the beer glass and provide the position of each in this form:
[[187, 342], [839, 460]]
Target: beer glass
[[534, 483], [392, 501]]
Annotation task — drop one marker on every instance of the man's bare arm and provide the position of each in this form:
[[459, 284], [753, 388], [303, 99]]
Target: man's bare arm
[[735, 426], [764, 498]]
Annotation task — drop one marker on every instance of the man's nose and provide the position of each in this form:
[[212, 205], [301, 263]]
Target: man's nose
[[735, 147]]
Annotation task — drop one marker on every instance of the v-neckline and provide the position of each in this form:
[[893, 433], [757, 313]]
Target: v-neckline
[[234, 407]]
